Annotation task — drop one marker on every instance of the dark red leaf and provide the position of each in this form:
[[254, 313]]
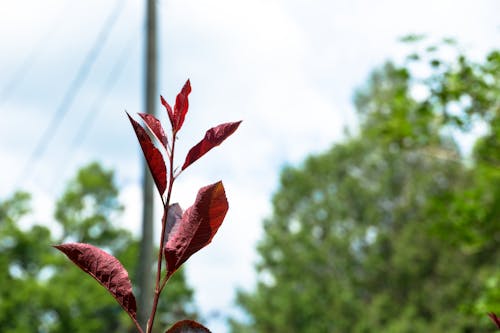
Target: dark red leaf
[[106, 269], [181, 106], [186, 89], [495, 319], [188, 326], [153, 156], [155, 127], [199, 224], [169, 111], [213, 137], [180, 109]]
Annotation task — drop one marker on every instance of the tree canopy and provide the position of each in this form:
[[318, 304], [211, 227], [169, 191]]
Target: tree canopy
[[396, 229], [42, 292]]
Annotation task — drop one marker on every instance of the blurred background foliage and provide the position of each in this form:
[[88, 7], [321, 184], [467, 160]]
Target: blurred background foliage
[[397, 228], [41, 291]]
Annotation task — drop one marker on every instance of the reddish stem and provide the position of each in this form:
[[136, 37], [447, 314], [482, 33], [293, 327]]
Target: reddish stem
[[166, 204], [139, 328]]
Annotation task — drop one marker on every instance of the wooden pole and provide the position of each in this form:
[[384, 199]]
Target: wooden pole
[[146, 256]]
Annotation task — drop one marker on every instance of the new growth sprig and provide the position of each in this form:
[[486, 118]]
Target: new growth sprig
[[183, 233]]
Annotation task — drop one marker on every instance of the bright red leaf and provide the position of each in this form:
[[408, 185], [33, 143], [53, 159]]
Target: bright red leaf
[[106, 269], [155, 127], [213, 137], [495, 319], [181, 106], [180, 109], [188, 326], [198, 226], [186, 89], [153, 156], [170, 112]]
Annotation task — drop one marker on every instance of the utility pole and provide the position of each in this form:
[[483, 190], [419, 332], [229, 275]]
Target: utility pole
[[146, 260]]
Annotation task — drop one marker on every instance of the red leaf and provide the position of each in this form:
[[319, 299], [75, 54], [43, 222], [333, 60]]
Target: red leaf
[[180, 109], [495, 319], [155, 127], [169, 110], [106, 269], [186, 89], [188, 326], [199, 224], [153, 156], [181, 106], [213, 137]]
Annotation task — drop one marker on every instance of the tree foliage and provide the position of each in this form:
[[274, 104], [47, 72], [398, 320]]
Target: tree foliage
[[36, 293], [396, 229]]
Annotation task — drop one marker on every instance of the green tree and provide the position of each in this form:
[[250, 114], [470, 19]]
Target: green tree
[[21, 260], [43, 292], [392, 230]]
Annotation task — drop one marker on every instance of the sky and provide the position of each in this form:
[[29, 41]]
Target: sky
[[287, 68]]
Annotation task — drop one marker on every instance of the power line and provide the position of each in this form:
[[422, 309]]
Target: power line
[[109, 83], [73, 89], [21, 71], [96, 106]]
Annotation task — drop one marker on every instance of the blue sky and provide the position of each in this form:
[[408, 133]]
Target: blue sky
[[288, 68]]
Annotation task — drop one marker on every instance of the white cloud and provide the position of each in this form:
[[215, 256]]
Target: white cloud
[[131, 198]]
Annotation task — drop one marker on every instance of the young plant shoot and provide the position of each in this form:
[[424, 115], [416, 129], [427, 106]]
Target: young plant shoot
[[182, 232]]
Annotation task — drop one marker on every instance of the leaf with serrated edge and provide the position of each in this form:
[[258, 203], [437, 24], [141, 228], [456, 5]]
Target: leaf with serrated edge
[[155, 127], [199, 224], [213, 137], [188, 326], [153, 156], [106, 269]]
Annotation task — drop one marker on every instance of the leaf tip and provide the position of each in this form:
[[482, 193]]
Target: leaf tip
[[186, 90]]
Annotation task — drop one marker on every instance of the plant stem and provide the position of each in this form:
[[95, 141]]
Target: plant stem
[[139, 328], [166, 204]]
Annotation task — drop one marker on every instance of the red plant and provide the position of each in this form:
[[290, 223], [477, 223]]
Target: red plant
[[495, 319], [183, 233]]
